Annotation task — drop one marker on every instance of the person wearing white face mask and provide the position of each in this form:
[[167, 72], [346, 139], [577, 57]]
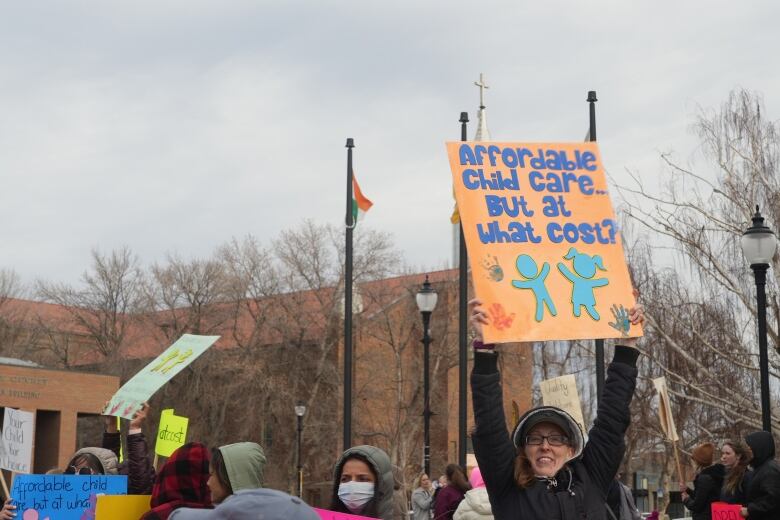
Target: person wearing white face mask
[[545, 469], [363, 483]]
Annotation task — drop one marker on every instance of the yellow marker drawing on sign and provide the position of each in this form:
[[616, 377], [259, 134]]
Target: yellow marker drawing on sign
[[172, 433], [545, 249]]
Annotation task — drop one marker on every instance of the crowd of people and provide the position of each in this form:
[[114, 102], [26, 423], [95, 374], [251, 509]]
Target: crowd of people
[[544, 469]]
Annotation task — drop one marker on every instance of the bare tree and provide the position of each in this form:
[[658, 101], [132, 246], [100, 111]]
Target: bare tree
[[103, 309]]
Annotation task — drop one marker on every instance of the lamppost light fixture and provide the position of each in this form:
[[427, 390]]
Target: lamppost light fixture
[[300, 409], [426, 297], [759, 245], [758, 242]]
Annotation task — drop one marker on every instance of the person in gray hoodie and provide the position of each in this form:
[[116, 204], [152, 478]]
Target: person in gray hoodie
[[363, 483]]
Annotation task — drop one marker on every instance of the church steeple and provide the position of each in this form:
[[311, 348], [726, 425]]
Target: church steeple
[[482, 135], [482, 130]]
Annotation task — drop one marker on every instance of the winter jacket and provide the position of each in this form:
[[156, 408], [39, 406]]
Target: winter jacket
[[579, 489], [447, 502], [137, 466], [763, 494], [475, 506], [706, 490], [244, 462], [381, 506], [181, 482], [620, 502], [421, 504], [739, 496]]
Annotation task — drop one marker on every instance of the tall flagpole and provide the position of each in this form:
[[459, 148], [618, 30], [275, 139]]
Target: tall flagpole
[[599, 342], [463, 327], [350, 225]]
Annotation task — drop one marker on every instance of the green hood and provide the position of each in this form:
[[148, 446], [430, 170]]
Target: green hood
[[244, 462]]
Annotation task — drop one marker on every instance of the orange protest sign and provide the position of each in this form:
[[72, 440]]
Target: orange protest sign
[[545, 250]]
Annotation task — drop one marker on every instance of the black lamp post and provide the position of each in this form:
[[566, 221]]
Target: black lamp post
[[759, 244], [300, 411], [426, 302]]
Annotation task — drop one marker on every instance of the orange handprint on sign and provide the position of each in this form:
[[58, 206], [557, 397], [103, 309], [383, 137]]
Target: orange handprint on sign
[[501, 320]]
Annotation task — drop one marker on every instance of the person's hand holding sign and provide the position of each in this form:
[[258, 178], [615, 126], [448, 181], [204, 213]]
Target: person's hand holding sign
[[477, 318]]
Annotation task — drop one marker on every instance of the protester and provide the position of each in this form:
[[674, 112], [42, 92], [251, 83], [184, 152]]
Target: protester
[[363, 483], [400, 503], [763, 493], [476, 504], [422, 498], [450, 496], [706, 484], [86, 461], [137, 465], [253, 504], [439, 484], [544, 469], [620, 502], [735, 457], [182, 482], [235, 467]]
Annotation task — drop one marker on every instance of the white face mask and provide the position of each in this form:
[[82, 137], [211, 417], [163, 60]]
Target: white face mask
[[355, 495]]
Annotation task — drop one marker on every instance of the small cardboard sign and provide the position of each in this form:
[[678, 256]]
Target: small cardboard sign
[[562, 392], [63, 497], [122, 507], [153, 376], [172, 433], [18, 437]]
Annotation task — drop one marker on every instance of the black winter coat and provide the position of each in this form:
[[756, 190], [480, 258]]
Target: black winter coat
[[579, 489], [763, 494], [137, 466], [739, 496], [706, 490]]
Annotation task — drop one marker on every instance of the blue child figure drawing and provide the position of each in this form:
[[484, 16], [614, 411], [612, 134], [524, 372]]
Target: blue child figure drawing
[[534, 281], [583, 282]]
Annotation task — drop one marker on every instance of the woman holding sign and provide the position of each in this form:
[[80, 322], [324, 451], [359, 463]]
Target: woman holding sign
[[706, 483], [545, 470]]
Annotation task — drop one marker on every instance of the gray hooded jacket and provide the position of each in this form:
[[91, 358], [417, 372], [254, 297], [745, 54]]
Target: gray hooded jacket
[[106, 457], [383, 489]]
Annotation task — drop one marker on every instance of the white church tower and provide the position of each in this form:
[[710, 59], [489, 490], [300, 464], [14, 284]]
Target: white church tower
[[482, 134]]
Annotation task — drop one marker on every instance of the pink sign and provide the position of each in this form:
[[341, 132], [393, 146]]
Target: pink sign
[[333, 515], [724, 511]]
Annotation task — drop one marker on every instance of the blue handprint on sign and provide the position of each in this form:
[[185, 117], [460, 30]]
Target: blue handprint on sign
[[622, 324]]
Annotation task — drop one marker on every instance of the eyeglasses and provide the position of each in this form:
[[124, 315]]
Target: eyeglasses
[[84, 470], [553, 440]]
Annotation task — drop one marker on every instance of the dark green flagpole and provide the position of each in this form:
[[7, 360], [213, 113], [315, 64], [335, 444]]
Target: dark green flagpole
[[599, 342], [350, 226], [463, 327]]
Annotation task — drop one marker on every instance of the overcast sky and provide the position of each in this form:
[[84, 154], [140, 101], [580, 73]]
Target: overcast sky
[[175, 125]]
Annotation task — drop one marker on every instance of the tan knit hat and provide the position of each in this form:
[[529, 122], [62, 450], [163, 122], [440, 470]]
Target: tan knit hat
[[702, 454]]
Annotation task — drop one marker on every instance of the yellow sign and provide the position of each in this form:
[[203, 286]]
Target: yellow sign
[[544, 246], [172, 433], [122, 507]]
